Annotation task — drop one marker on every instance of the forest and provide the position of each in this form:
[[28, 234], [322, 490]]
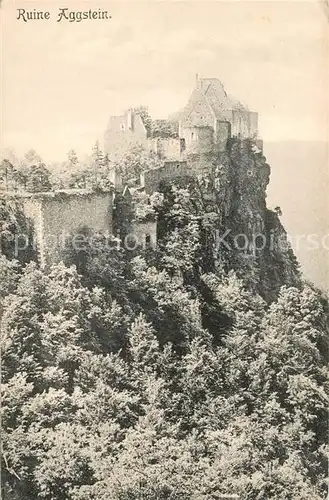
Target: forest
[[160, 374]]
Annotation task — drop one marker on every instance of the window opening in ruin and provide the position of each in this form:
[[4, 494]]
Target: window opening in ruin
[[122, 126]]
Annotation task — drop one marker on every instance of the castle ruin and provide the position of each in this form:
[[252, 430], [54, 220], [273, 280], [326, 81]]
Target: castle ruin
[[205, 126], [210, 118]]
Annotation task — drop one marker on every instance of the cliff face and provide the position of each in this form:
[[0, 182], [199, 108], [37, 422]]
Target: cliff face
[[267, 258], [222, 219], [249, 238]]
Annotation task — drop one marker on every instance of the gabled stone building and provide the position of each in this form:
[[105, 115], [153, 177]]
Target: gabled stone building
[[210, 106], [210, 118]]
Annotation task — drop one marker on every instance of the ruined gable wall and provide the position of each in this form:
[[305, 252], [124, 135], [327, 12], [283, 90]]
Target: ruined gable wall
[[215, 95], [139, 128], [201, 115], [118, 141]]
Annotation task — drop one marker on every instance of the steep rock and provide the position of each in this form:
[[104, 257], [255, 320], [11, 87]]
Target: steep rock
[[246, 236]]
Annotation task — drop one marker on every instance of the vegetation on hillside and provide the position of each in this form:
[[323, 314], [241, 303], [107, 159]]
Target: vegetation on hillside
[[32, 175], [161, 375]]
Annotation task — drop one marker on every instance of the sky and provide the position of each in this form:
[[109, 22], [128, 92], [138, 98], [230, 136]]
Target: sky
[[61, 81]]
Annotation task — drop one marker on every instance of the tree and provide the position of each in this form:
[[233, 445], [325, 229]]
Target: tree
[[6, 172], [158, 376], [165, 129], [31, 158], [97, 160], [143, 346], [79, 179], [72, 158], [15, 232], [135, 161], [20, 178], [38, 179]]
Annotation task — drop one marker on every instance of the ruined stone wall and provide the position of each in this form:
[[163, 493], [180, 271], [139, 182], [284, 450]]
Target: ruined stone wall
[[222, 135], [253, 124], [32, 209], [198, 139], [150, 179], [117, 144], [145, 234], [57, 216], [244, 123], [169, 148], [119, 140]]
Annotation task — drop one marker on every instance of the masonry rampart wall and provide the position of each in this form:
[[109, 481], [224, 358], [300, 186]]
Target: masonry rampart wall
[[165, 147], [150, 179], [56, 217]]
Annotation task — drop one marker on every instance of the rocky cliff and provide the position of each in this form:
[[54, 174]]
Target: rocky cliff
[[227, 195]]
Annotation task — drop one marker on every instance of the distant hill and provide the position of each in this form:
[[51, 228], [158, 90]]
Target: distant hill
[[299, 184]]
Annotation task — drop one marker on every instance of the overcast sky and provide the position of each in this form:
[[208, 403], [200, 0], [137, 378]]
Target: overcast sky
[[61, 81]]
